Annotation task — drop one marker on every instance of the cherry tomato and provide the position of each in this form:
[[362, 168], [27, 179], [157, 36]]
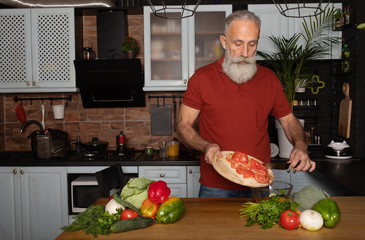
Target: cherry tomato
[[289, 220], [128, 213]]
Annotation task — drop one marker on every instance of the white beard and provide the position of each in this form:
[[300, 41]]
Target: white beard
[[237, 71]]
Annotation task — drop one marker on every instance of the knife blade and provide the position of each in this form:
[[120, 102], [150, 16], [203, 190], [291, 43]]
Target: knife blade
[[279, 166]]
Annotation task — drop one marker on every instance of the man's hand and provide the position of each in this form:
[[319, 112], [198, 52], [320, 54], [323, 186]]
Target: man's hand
[[211, 150], [299, 155]]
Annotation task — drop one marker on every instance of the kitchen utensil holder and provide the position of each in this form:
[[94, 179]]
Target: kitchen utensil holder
[[69, 98]]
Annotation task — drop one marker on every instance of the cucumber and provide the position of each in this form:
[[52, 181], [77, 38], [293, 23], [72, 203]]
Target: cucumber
[[131, 224]]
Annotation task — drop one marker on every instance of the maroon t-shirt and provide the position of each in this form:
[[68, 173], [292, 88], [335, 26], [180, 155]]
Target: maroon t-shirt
[[234, 116]]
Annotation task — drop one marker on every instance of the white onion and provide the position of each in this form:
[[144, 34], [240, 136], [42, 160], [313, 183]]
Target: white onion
[[112, 206], [311, 220]]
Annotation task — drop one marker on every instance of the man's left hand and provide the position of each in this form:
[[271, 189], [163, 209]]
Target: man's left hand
[[300, 161]]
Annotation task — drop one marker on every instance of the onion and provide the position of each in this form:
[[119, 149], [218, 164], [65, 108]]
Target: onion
[[112, 206], [311, 220]]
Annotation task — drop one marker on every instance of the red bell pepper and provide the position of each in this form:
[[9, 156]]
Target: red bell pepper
[[158, 192], [149, 208]]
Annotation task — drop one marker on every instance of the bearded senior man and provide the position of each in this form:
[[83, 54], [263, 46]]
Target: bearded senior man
[[233, 98]]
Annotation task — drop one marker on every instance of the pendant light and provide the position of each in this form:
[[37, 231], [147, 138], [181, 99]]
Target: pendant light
[[161, 8], [301, 8]]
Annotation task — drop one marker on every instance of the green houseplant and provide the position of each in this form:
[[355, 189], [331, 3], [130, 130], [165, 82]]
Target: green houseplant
[[291, 60]]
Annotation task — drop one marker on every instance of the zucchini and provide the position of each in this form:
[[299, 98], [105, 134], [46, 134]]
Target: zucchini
[[131, 224]]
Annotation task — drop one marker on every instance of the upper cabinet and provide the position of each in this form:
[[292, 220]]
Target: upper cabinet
[[175, 47], [273, 23], [37, 49]]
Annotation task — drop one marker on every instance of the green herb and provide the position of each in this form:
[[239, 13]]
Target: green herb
[[267, 212], [94, 220]]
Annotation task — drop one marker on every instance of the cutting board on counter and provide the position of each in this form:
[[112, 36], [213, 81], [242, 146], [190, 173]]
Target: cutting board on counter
[[161, 119], [344, 121]]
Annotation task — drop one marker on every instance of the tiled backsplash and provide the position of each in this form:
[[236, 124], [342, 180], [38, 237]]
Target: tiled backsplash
[[103, 123]]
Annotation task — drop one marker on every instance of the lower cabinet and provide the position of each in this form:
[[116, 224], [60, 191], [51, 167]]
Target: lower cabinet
[[182, 180], [33, 202], [302, 179]]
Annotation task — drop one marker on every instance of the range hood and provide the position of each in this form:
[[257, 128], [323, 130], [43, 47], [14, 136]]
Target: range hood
[[107, 83], [57, 3]]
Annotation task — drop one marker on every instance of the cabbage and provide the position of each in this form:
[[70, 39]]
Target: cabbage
[[136, 191], [308, 196]]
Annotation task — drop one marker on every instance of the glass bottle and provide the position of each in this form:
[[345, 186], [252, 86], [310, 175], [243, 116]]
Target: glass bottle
[[346, 60]]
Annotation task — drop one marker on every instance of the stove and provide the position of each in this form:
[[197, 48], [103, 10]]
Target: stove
[[131, 155]]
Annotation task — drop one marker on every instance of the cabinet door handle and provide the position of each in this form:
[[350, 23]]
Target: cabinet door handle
[[162, 175], [21, 171], [185, 81], [34, 83], [190, 171], [28, 83], [15, 171]]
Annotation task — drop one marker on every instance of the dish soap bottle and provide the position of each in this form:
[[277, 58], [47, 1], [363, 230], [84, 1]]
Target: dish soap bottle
[[346, 60]]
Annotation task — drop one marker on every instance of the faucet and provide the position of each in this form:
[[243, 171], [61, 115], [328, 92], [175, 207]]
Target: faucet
[[30, 122]]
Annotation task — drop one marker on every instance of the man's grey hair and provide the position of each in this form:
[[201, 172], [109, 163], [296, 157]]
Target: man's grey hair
[[242, 15]]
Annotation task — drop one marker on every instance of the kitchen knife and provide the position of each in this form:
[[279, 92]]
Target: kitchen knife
[[279, 166]]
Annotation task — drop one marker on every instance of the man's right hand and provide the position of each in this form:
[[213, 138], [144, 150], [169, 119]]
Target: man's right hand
[[211, 150]]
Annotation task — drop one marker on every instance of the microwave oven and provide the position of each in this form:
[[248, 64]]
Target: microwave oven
[[84, 192]]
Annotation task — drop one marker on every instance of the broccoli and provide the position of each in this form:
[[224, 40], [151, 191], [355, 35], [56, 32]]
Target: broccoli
[[308, 196]]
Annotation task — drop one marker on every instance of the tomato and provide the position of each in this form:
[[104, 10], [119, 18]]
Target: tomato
[[261, 175], [246, 172], [240, 157], [128, 213], [256, 165], [289, 220]]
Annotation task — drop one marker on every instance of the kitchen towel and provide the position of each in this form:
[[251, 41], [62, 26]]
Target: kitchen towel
[[160, 119]]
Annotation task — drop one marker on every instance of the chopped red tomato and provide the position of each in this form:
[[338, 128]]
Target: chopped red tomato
[[240, 157], [246, 172], [261, 175], [256, 165]]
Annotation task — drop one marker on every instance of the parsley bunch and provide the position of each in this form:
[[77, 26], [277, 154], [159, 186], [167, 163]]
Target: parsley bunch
[[94, 220], [267, 212]]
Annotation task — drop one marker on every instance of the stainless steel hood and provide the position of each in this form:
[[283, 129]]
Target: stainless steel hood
[[57, 3]]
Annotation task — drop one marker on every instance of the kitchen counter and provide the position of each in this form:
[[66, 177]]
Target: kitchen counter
[[209, 218], [138, 159], [345, 174]]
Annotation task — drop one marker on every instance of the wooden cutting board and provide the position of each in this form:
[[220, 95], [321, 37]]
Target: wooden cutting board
[[344, 122], [223, 167]]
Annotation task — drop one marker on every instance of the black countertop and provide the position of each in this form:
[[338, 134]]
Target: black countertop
[[347, 175]]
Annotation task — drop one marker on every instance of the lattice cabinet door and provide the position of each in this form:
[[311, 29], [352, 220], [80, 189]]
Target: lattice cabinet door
[[15, 48], [53, 47], [39, 56]]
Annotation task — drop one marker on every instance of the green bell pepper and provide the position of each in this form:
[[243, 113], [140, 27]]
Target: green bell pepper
[[329, 210], [170, 211]]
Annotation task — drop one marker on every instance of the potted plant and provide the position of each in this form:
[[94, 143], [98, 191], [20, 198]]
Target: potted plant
[[130, 47], [291, 60]]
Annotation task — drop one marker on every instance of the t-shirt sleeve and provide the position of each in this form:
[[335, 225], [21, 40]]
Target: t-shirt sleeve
[[192, 96], [281, 107]]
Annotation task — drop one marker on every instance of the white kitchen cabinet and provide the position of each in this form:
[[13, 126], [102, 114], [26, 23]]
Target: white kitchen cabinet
[[37, 49], [174, 176], [193, 185], [273, 23], [33, 202], [182, 180], [174, 48]]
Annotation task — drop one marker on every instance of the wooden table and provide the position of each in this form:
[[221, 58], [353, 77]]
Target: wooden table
[[219, 219]]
